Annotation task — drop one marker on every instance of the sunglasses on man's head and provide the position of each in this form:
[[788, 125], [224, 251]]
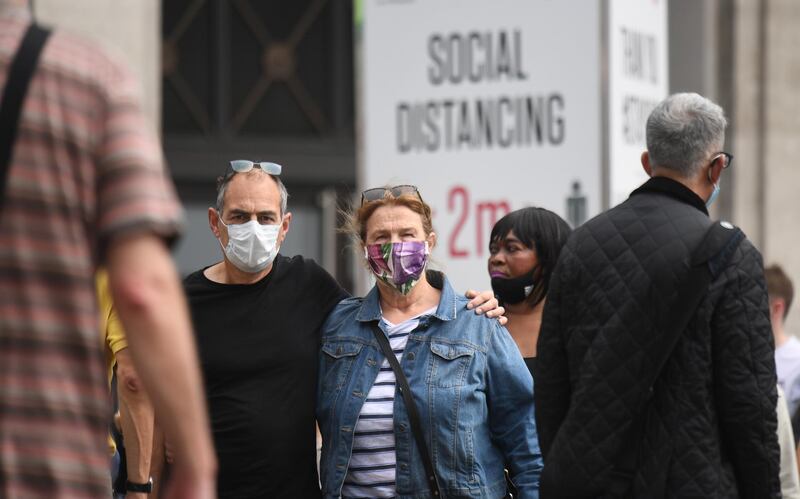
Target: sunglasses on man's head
[[245, 165], [377, 193]]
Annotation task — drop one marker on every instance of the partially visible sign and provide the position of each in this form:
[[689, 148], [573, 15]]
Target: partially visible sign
[[488, 106], [638, 80]]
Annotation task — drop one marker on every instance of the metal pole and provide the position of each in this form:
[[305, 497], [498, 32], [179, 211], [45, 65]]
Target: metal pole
[[328, 208], [605, 117], [360, 277]]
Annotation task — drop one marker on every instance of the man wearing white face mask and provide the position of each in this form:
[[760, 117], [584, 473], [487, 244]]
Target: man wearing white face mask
[[251, 246], [257, 316]]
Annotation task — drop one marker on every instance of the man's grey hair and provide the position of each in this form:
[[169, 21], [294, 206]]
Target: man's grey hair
[[222, 185], [683, 130]]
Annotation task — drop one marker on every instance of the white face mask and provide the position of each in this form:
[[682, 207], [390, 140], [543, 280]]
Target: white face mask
[[251, 246]]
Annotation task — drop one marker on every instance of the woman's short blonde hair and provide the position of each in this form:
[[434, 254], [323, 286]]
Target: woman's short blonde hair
[[356, 224]]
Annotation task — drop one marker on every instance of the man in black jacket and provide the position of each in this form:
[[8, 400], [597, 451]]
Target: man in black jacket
[[708, 424]]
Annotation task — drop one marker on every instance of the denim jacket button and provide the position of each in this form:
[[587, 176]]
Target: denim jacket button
[[371, 362], [339, 351], [403, 466], [401, 427], [410, 356]]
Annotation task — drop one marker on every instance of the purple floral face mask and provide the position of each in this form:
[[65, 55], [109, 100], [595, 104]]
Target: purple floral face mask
[[400, 265]]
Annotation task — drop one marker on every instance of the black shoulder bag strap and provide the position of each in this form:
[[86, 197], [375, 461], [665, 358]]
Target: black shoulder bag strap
[[19, 76], [411, 407], [708, 260]]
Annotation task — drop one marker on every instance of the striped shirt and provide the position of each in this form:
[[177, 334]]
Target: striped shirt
[[371, 471], [84, 170]]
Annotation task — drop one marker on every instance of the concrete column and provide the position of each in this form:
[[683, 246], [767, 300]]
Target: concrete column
[[745, 132], [130, 29], [693, 47], [767, 132], [781, 196]]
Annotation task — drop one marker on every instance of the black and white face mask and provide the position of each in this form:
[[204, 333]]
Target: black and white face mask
[[513, 290]]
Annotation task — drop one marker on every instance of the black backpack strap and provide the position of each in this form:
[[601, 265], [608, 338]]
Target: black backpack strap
[[707, 261], [19, 76], [411, 407], [717, 248]]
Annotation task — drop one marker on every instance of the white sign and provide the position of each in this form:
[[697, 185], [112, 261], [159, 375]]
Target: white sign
[[638, 80], [487, 106]]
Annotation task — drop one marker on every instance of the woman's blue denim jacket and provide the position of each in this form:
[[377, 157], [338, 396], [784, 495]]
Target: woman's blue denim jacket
[[473, 391]]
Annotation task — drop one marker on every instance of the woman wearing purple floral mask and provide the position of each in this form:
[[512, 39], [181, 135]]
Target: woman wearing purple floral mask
[[468, 410]]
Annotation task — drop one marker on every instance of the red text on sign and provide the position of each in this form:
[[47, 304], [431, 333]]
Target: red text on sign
[[482, 215]]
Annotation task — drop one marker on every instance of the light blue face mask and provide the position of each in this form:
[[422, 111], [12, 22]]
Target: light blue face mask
[[713, 196]]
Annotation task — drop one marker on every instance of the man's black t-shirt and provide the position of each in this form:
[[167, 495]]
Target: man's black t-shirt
[[258, 346]]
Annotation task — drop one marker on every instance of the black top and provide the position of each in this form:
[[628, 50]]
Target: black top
[[258, 346], [530, 362]]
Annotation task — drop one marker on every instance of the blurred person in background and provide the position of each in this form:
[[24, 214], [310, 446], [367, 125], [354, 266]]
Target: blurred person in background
[[787, 365], [135, 421], [523, 250], [467, 379], [787, 347], [790, 475], [85, 184], [639, 394]]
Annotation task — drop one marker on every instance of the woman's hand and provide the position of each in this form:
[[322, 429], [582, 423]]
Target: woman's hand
[[485, 303]]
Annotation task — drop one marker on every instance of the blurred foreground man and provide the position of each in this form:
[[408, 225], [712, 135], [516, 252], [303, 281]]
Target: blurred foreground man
[[86, 184], [133, 466], [612, 421]]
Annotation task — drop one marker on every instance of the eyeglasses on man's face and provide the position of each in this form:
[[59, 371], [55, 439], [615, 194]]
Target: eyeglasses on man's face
[[377, 193], [727, 158]]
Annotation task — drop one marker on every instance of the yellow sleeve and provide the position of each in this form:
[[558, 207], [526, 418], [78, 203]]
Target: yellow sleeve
[[105, 308], [111, 332], [103, 303], [110, 325], [115, 335]]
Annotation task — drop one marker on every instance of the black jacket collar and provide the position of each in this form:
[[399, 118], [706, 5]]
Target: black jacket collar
[[674, 189]]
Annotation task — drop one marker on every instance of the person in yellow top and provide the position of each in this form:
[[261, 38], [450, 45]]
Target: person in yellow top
[[136, 415]]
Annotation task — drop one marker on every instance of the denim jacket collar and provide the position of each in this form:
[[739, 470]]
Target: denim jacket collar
[[447, 310]]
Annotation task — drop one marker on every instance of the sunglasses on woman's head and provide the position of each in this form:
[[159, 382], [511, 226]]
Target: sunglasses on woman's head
[[245, 165], [377, 193]]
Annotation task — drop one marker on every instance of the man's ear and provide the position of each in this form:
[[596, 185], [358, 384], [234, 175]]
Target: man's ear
[[648, 168], [777, 307], [287, 221], [715, 170], [213, 221]]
